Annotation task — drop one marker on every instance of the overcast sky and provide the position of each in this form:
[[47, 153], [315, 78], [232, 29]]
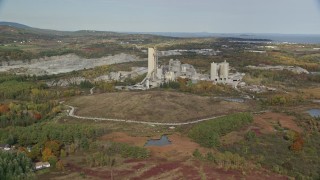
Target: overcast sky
[[217, 16]]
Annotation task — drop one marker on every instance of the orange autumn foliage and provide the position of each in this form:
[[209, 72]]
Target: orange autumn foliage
[[4, 108], [297, 144], [37, 116], [22, 149], [54, 146], [46, 154]]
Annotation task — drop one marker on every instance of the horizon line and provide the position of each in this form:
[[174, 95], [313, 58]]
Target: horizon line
[[150, 32]]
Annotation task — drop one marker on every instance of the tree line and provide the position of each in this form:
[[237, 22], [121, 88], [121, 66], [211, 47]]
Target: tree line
[[50, 142], [201, 87], [15, 166], [24, 114], [41, 133]]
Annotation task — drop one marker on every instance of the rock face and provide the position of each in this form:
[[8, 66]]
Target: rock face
[[295, 69], [112, 76], [66, 82], [62, 64]]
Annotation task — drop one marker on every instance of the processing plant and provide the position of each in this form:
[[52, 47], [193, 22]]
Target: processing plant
[[157, 75]]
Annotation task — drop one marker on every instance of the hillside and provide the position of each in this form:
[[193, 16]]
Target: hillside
[[18, 42], [15, 25]]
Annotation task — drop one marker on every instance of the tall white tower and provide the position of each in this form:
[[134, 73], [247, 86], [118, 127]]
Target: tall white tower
[[224, 71], [152, 62], [214, 71]]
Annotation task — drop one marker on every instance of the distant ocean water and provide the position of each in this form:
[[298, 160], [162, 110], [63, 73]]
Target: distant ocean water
[[304, 39], [278, 38], [290, 38]]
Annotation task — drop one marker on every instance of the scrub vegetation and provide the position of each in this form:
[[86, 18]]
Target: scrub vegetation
[[208, 133]]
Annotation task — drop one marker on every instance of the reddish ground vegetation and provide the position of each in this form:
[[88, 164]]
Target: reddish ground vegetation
[[256, 130], [138, 166], [190, 172], [170, 162], [267, 121], [175, 161], [158, 170], [100, 174], [128, 161], [215, 173]]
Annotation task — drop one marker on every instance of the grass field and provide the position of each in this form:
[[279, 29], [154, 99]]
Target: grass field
[[153, 106]]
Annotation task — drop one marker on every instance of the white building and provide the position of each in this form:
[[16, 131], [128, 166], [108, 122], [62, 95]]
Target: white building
[[219, 72], [5, 147], [42, 165]]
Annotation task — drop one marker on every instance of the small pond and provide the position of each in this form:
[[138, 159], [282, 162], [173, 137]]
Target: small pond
[[314, 112], [163, 141]]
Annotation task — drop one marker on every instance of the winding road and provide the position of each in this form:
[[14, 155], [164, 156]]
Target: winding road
[[72, 110]]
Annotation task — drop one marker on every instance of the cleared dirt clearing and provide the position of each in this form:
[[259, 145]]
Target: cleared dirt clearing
[[153, 106]]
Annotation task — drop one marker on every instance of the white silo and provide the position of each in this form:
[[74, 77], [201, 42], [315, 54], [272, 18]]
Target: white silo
[[224, 71], [214, 71], [152, 62]]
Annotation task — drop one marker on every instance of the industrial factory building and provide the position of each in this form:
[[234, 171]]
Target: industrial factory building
[[219, 72], [157, 75]]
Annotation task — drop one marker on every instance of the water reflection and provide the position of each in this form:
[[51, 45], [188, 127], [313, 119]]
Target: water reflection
[[163, 141], [314, 112]]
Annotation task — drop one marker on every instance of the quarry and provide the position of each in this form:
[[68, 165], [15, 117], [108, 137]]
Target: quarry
[[61, 64], [155, 74], [294, 69]]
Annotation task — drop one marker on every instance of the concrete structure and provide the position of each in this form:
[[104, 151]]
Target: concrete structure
[[188, 71], [170, 76], [214, 76], [160, 73], [175, 69], [224, 74], [152, 62], [154, 74], [219, 72]]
